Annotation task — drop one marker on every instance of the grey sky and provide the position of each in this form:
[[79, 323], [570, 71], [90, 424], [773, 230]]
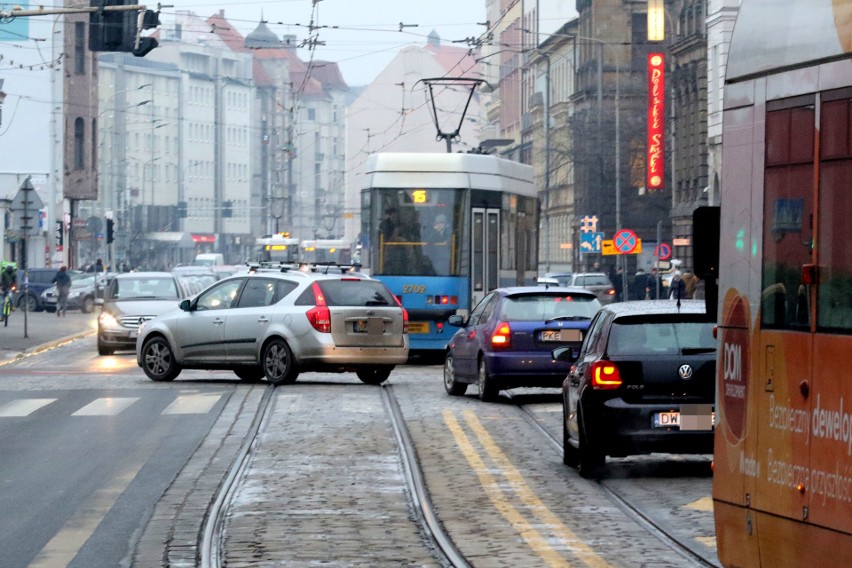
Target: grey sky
[[363, 35]]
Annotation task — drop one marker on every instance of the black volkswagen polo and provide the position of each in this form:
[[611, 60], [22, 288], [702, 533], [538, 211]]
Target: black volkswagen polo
[[642, 382]]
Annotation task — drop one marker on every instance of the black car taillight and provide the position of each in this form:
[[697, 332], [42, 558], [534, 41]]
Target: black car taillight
[[605, 375]]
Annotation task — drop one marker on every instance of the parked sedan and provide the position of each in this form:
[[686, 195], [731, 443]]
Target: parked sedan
[[642, 382], [597, 282], [130, 300], [86, 288], [508, 338], [276, 324]]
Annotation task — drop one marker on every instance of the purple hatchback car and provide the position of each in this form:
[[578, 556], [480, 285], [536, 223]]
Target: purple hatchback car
[[508, 339]]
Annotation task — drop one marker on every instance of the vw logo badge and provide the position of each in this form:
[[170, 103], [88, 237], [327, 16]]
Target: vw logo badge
[[685, 372]]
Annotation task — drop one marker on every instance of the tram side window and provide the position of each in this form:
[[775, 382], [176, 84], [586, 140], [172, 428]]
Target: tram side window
[[788, 216], [834, 292]]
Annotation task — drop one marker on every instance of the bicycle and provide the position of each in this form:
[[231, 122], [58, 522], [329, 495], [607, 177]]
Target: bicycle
[[7, 304]]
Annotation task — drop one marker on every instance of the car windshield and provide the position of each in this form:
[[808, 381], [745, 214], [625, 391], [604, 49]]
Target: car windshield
[[661, 338], [82, 280], [542, 307], [591, 280], [151, 287]]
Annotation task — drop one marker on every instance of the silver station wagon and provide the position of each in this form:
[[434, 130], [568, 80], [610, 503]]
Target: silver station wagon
[[276, 323]]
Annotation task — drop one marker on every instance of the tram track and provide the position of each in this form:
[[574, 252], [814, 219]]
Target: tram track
[[442, 546], [633, 511]]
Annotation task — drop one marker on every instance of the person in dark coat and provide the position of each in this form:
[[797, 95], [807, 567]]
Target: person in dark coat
[[640, 284]]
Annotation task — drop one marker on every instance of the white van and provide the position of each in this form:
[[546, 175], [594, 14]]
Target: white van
[[210, 259]]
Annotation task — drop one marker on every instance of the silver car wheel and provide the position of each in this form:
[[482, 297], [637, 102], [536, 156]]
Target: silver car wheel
[[158, 360], [278, 364]]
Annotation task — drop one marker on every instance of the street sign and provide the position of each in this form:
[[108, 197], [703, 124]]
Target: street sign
[[589, 223], [625, 241], [663, 251], [608, 248], [25, 207], [590, 242]]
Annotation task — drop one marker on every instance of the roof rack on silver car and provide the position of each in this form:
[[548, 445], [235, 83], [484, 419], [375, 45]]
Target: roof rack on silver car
[[305, 267]]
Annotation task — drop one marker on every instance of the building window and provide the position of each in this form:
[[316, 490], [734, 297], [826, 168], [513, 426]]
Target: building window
[[79, 137], [80, 48], [312, 114]]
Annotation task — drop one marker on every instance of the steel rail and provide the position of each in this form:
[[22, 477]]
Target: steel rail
[[209, 549], [428, 520], [635, 513]]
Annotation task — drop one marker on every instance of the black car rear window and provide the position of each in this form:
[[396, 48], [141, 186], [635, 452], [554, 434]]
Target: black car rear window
[[147, 287], [661, 338], [541, 307], [351, 292]]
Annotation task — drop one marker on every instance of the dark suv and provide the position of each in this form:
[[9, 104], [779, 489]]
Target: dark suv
[[40, 279], [642, 382]]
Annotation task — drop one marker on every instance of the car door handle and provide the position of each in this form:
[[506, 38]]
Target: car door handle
[[218, 321], [263, 319]]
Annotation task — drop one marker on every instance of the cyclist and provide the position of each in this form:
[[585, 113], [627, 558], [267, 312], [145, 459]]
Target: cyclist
[[8, 281]]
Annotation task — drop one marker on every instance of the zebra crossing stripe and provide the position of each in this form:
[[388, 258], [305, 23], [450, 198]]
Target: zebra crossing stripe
[[24, 406], [192, 404], [105, 406]]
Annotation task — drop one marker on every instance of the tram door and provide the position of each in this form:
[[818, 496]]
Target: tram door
[[485, 250]]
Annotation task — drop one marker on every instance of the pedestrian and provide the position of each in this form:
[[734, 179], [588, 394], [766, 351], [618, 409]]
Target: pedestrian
[[99, 265], [654, 284], [639, 290], [689, 281], [677, 287], [618, 283], [63, 288]]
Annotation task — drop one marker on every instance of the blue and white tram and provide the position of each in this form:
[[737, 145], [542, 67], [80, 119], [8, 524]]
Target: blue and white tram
[[444, 230]]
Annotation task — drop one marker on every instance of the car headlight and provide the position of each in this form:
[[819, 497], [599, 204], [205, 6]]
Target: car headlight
[[108, 320]]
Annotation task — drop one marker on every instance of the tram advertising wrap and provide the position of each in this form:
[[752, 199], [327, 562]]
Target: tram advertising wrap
[[782, 483], [445, 229]]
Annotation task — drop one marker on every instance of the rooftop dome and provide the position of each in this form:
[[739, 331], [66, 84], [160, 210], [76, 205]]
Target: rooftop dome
[[262, 37]]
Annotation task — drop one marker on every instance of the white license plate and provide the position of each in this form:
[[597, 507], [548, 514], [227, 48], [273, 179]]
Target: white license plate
[[561, 335], [695, 417]]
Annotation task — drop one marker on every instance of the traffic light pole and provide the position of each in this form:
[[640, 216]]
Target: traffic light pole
[[146, 19]]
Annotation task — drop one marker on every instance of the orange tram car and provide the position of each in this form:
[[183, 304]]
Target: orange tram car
[[782, 485]]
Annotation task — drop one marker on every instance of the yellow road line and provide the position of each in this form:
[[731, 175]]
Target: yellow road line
[[540, 544]]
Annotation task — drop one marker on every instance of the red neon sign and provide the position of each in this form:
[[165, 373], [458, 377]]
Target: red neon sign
[[656, 121]]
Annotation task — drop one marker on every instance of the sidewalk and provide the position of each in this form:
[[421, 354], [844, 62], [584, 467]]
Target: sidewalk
[[43, 329]]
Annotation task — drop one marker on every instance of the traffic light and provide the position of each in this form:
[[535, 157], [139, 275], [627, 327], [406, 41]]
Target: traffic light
[[181, 210], [117, 30], [110, 233], [227, 209]]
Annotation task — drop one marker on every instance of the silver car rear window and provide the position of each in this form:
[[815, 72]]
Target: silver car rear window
[[346, 292]]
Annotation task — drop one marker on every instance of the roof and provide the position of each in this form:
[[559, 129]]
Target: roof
[[551, 290], [656, 307]]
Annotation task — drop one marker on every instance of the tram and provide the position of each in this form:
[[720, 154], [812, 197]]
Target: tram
[[445, 229], [319, 251], [782, 483], [280, 247]]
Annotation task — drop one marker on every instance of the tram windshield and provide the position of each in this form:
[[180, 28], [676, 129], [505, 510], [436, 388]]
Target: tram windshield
[[416, 232]]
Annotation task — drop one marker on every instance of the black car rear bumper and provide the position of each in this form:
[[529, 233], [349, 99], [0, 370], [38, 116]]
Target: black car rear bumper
[[621, 429]]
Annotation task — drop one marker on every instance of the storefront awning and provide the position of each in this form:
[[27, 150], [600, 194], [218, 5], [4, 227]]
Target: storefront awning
[[173, 238]]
